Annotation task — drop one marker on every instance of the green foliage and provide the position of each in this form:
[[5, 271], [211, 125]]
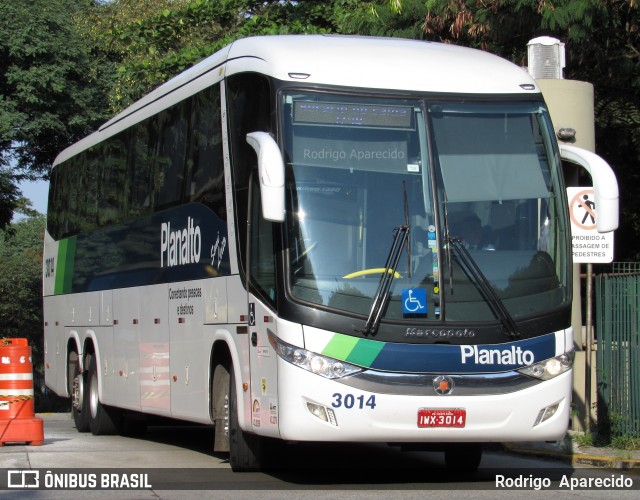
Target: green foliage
[[149, 41], [25, 207], [8, 196], [602, 40], [583, 439], [50, 89], [403, 19], [21, 291], [21, 284], [625, 443], [21, 278], [67, 65]]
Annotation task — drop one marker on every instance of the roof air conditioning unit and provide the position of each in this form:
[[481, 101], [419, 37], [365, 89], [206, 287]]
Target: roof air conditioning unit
[[546, 58]]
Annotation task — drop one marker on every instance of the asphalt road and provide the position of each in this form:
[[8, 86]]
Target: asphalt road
[[177, 462]]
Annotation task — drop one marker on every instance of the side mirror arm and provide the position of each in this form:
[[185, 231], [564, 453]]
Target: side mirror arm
[[605, 185], [271, 174]]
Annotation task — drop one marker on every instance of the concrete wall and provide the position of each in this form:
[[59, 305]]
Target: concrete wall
[[571, 106]]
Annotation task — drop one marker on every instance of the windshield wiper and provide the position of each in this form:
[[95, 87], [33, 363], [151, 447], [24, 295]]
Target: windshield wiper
[[380, 299], [466, 261], [400, 240]]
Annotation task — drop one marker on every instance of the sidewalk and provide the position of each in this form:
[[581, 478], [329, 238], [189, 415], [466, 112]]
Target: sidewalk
[[570, 452]]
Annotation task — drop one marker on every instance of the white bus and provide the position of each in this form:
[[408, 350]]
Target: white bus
[[320, 238]]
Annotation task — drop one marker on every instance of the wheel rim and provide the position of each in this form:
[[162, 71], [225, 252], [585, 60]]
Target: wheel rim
[[77, 394], [226, 415]]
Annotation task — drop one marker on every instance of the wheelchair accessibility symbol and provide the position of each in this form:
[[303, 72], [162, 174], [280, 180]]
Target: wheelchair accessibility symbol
[[414, 301]]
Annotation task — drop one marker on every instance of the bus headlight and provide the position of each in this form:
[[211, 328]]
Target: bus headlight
[[549, 368], [310, 361]]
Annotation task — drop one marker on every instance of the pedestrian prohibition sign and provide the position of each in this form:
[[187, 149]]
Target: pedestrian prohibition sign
[[589, 246]]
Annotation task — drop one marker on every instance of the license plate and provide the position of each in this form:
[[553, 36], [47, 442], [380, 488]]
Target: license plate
[[432, 417]]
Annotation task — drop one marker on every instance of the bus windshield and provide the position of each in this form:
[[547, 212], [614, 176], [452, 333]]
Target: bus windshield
[[361, 169]]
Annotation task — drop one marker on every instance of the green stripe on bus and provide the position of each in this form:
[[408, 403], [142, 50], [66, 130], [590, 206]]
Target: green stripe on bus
[[361, 352], [340, 346], [365, 352], [60, 265], [64, 266]]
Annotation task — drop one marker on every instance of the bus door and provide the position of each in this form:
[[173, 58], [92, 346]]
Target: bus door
[[262, 319]]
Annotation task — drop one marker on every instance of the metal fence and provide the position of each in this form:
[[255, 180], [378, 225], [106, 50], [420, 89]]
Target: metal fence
[[625, 268], [617, 327]]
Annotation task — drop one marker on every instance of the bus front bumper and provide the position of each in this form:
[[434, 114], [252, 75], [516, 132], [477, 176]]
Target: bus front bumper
[[313, 408]]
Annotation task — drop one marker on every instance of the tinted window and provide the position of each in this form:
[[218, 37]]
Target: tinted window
[[173, 157]]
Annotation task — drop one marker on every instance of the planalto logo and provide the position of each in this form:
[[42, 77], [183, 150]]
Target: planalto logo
[[510, 356], [180, 246]]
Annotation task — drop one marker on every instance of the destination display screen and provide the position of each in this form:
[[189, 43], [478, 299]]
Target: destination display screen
[[352, 115]]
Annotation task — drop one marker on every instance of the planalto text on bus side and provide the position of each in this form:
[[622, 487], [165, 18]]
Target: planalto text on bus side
[[180, 246]]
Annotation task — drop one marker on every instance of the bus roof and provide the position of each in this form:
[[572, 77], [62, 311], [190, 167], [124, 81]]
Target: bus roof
[[383, 63], [392, 64]]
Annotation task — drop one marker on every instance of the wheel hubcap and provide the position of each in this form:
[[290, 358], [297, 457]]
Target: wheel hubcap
[[77, 393]]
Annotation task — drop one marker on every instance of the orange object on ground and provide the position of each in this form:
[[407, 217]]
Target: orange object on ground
[[18, 422]]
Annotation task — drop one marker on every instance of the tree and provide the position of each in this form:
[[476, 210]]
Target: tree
[[602, 40], [51, 89], [8, 196], [21, 279], [21, 291], [66, 65], [150, 41], [396, 18], [611, 64]]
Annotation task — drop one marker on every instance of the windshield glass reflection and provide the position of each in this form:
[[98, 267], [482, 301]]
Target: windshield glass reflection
[[358, 170]]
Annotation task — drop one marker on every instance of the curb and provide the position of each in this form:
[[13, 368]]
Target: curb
[[574, 458]]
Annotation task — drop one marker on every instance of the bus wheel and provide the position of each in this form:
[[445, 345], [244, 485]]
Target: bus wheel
[[220, 407], [77, 384], [464, 457], [102, 420], [245, 450]]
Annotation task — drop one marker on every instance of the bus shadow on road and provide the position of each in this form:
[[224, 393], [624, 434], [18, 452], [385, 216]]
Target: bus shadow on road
[[189, 436], [310, 464], [384, 466]]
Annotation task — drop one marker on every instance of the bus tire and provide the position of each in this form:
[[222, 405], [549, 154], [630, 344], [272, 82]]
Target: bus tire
[[78, 390], [102, 419], [245, 450], [463, 457]]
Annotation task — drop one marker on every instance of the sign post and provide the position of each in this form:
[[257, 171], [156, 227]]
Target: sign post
[[589, 247]]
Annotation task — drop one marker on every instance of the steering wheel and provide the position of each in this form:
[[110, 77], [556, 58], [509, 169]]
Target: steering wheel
[[375, 270]]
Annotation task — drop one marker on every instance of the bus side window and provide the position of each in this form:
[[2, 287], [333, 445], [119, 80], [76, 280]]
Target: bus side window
[[170, 161], [205, 160], [74, 173], [262, 265], [113, 185], [89, 182], [141, 169], [249, 103], [55, 210]]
